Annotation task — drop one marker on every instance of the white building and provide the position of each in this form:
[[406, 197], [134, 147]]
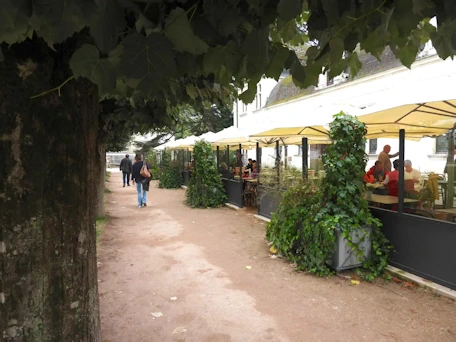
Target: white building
[[284, 104]]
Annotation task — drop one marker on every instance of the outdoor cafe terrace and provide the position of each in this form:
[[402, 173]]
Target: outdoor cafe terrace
[[420, 224]]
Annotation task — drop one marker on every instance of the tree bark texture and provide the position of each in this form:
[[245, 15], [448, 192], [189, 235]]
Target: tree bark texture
[[48, 149]]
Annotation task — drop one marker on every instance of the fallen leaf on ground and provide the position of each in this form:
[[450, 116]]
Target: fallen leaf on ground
[[173, 298], [179, 330], [409, 284], [248, 267], [355, 282], [157, 314], [273, 250], [397, 280]]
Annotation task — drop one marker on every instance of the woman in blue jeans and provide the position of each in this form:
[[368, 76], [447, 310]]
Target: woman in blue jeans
[[141, 182]]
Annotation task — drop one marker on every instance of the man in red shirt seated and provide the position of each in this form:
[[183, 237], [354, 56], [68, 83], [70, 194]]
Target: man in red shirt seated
[[376, 173]]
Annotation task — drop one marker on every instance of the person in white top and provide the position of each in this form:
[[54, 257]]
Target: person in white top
[[411, 173]]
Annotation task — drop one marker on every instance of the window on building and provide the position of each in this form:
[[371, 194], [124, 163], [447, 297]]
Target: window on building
[[372, 146], [441, 144], [299, 153]]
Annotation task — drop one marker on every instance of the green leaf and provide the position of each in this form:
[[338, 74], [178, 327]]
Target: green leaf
[[106, 23], [144, 24], [57, 20], [180, 33], [337, 68], [191, 91], [147, 61], [422, 6], [336, 52], [86, 63], [444, 39], [298, 71], [373, 44], [289, 9], [249, 95], [354, 64], [229, 23], [277, 63], [255, 47], [222, 61], [407, 55], [14, 20]]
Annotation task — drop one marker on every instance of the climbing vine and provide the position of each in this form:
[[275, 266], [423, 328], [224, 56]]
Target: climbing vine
[[306, 225], [205, 189], [170, 173]]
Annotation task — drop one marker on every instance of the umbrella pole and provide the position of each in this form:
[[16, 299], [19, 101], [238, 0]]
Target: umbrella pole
[[258, 156], [400, 204], [305, 156], [450, 171], [278, 160]]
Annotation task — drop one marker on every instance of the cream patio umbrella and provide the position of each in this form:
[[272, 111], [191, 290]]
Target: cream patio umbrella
[[182, 143], [312, 125], [418, 120]]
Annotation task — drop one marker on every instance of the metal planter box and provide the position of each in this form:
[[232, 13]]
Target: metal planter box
[[344, 257]]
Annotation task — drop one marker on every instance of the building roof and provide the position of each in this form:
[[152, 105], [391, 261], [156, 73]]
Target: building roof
[[286, 90]]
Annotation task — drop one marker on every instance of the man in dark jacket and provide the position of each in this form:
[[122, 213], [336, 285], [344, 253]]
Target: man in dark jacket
[[125, 167]]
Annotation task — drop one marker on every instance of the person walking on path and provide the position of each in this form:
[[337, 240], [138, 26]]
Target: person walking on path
[[142, 182], [125, 167], [384, 157]]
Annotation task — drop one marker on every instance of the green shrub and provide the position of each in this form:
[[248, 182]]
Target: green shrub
[[205, 189], [153, 164], [286, 223], [170, 173]]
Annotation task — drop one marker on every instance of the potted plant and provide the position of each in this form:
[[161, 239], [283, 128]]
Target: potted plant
[[345, 209]]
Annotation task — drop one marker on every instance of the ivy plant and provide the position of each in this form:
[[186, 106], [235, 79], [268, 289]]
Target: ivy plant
[[205, 189], [305, 224], [343, 206], [170, 173]]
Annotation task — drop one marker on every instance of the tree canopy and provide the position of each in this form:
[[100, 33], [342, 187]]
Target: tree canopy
[[188, 51]]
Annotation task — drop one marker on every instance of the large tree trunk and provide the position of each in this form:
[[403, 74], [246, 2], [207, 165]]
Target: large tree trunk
[[48, 146]]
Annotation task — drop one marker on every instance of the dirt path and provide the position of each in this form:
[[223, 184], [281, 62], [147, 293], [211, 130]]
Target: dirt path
[[190, 266]]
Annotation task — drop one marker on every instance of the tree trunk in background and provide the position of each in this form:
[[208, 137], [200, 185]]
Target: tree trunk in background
[[48, 148]]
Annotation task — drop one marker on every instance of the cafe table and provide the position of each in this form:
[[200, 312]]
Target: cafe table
[[388, 200]]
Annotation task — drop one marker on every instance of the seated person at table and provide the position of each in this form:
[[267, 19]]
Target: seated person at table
[[392, 178], [375, 174], [411, 173], [249, 165], [254, 169]]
